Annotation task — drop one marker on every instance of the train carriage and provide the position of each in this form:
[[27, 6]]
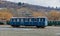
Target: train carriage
[[28, 21]]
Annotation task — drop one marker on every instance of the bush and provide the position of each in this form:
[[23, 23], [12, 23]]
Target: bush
[[8, 23], [1, 23]]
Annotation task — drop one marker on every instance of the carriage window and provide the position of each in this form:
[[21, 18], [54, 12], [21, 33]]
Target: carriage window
[[26, 19], [21, 19], [42, 19], [30, 20], [14, 20], [17, 20], [39, 20], [35, 19]]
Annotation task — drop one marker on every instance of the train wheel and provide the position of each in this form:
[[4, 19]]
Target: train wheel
[[15, 25], [42, 26], [38, 26]]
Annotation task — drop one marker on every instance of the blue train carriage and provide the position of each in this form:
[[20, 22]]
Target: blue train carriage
[[29, 21]]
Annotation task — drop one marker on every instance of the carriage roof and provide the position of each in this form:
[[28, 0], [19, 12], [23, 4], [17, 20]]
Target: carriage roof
[[29, 17]]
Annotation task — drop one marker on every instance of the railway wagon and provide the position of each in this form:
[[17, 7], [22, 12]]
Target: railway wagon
[[54, 22], [29, 21]]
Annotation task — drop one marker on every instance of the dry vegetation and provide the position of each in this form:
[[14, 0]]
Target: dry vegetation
[[37, 14], [54, 15], [5, 14]]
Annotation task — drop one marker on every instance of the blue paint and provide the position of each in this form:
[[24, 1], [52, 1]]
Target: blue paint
[[29, 21]]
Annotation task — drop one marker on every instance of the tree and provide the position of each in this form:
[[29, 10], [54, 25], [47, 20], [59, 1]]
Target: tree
[[19, 3], [37, 14], [5, 14], [53, 15]]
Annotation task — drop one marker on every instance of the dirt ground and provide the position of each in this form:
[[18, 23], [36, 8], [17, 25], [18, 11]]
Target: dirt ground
[[7, 30]]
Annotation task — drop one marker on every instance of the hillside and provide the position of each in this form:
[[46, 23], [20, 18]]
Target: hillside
[[27, 10], [9, 4]]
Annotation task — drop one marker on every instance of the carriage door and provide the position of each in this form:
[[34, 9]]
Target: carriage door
[[42, 21], [21, 21], [34, 20]]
